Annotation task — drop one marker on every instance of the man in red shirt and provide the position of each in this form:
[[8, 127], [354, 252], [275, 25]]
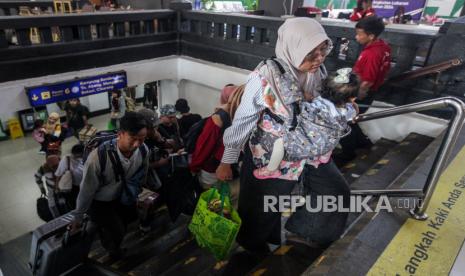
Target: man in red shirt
[[372, 67], [363, 9], [374, 61]]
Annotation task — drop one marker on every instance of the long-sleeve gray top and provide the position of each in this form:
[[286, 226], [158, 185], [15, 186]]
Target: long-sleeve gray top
[[91, 187]]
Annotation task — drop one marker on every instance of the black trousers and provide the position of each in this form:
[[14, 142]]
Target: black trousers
[[112, 219], [321, 227], [258, 227]]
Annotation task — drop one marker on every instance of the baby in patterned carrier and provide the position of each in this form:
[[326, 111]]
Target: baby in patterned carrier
[[321, 124]]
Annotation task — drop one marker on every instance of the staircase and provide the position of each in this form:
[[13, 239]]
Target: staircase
[[170, 249]]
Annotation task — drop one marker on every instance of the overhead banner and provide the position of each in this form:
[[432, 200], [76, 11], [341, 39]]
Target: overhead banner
[[335, 4], [80, 87], [444, 8], [388, 9], [383, 8]]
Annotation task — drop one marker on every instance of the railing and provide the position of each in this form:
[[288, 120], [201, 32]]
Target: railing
[[90, 26], [76, 41], [440, 161], [13, 7], [232, 39], [255, 36]]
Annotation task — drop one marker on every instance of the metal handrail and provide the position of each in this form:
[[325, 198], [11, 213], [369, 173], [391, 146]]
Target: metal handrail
[[440, 161]]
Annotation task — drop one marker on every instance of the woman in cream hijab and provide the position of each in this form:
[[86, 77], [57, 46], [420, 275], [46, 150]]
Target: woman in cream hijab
[[273, 90]]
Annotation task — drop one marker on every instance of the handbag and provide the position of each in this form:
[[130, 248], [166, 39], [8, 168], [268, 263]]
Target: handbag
[[66, 181], [216, 230], [43, 211]]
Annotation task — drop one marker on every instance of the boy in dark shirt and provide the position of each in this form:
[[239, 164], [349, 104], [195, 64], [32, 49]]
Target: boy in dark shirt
[[372, 67], [187, 119]]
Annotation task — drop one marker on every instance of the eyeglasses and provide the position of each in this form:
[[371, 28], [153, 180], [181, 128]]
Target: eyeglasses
[[322, 51]]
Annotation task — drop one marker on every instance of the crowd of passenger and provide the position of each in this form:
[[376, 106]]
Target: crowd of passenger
[[278, 130]]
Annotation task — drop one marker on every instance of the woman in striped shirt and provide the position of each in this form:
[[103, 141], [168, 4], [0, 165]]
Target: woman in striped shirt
[[301, 50]]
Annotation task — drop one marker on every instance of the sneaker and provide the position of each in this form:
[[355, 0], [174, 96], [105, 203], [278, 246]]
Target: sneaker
[[42, 152]]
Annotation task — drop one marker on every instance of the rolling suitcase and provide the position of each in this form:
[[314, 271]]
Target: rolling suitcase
[[55, 250]]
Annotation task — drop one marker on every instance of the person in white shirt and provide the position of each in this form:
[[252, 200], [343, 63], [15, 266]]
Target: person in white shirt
[[73, 163]]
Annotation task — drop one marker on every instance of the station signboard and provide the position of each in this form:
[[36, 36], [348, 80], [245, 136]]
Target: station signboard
[[80, 87]]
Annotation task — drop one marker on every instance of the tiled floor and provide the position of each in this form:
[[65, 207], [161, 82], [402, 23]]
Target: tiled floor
[[18, 192]]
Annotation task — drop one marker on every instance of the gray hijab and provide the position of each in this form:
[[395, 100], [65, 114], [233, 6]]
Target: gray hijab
[[297, 37]]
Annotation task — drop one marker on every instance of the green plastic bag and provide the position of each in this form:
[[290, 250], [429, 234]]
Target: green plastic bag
[[110, 125], [211, 230]]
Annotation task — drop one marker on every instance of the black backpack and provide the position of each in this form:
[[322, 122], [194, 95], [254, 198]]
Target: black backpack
[[190, 140], [103, 141]]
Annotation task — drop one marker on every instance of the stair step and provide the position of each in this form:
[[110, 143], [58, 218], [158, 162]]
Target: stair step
[[393, 163], [390, 166], [91, 269], [153, 245], [291, 259], [133, 237], [14, 256], [239, 262], [196, 262], [366, 158], [98, 252], [162, 262]]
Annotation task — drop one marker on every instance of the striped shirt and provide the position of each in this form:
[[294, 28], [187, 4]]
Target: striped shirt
[[49, 177], [245, 119]]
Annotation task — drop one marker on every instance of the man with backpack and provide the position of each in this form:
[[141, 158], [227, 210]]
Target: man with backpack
[[113, 175]]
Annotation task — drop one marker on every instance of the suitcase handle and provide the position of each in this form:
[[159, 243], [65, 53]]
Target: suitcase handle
[[68, 237]]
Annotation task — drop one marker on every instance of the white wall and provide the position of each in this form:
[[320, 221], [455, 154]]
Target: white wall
[[139, 91], [169, 92], [210, 74], [202, 99]]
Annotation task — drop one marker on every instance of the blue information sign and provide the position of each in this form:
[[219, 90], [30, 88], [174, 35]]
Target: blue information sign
[[46, 94]]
